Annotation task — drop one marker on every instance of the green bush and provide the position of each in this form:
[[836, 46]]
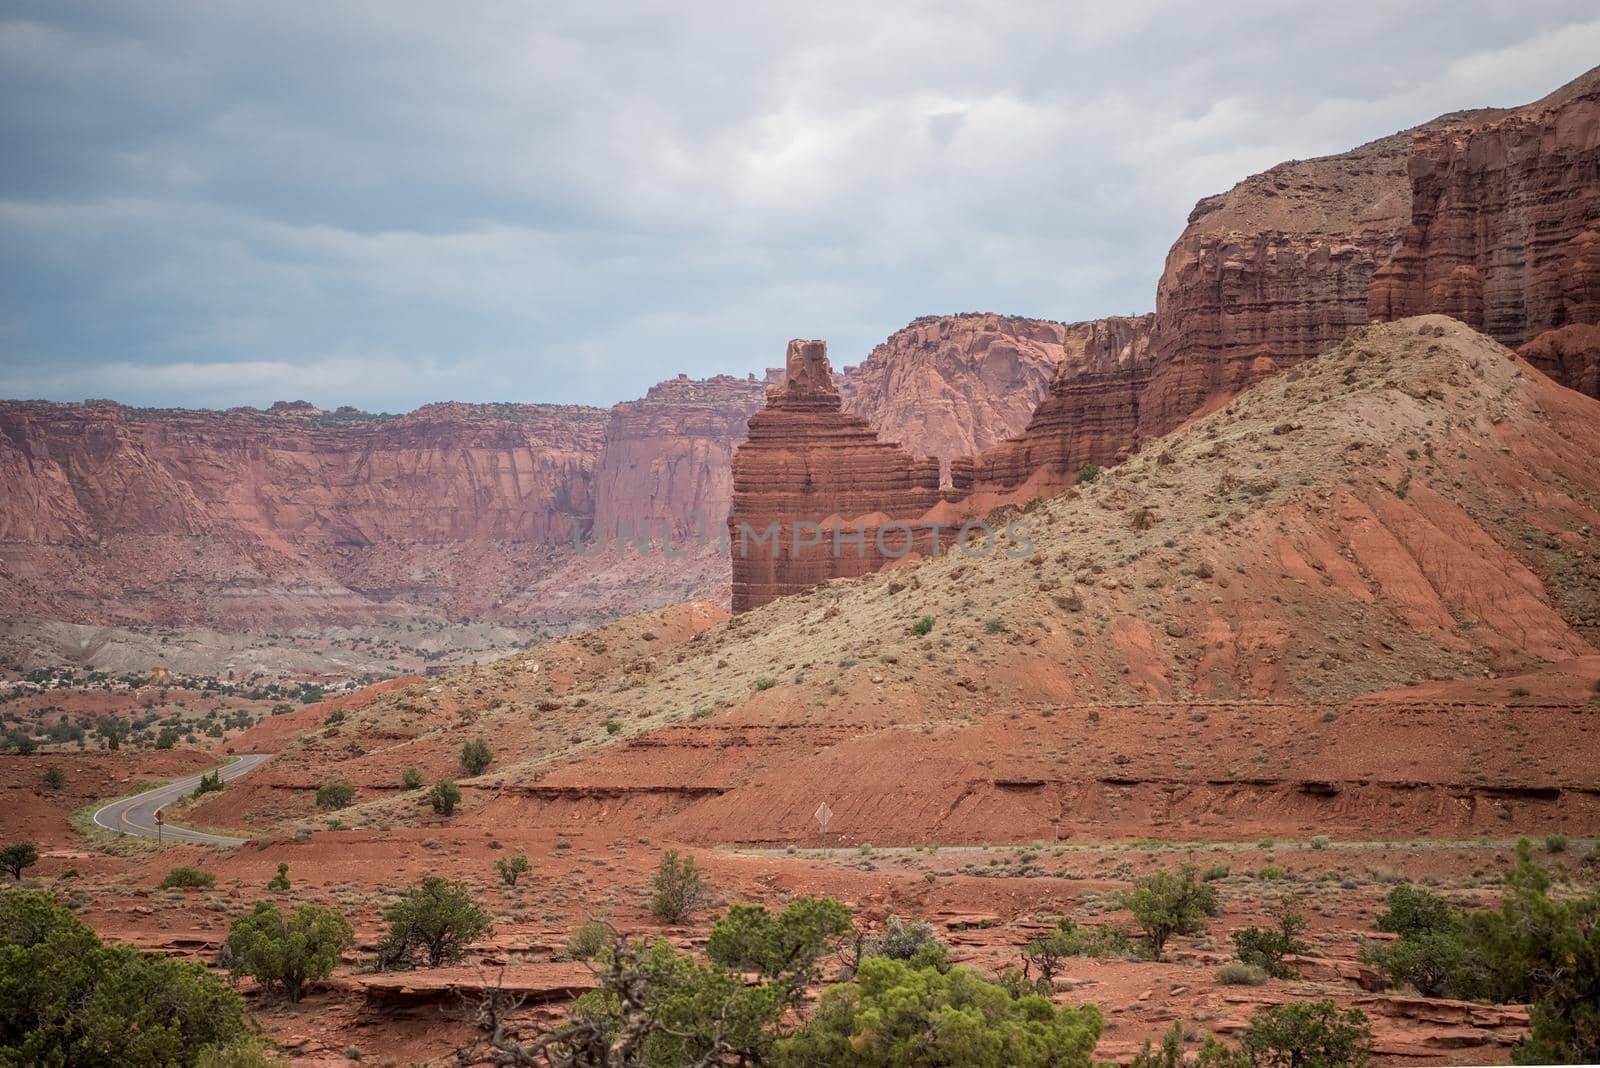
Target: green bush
[[444, 797], [1088, 473], [187, 878], [432, 925], [766, 682], [913, 943], [65, 998], [411, 778], [1213, 1053], [280, 881], [894, 1015], [1044, 955], [512, 868], [18, 856], [1307, 1033], [785, 948], [475, 756], [286, 952], [335, 795], [1534, 949], [588, 939], [922, 627], [1555, 843], [680, 889], [1320, 841], [1238, 973], [54, 778], [1171, 903], [209, 783], [1265, 949]]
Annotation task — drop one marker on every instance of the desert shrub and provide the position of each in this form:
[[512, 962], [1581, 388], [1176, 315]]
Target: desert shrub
[[250, 1053], [1170, 903], [167, 738], [432, 925], [475, 756], [766, 682], [1266, 948], [187, 878], [1087, 473], [209, 783], [18, 856], [54, 778], [444, 797], [1044, 955], [335, 795], [1238, 973], [1320, 841], [411, 778], [66, 998], [279, 881], [914, 943], [286, 952], [1555, 843], [1213, 1053], [893, 1014], [679, 889], [922, 627], [613, 727], [1307, 1033], [511, 868], [1215, 872], [588, 939]]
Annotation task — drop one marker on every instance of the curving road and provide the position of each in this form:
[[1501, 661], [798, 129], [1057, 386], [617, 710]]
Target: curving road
[[137, 814]]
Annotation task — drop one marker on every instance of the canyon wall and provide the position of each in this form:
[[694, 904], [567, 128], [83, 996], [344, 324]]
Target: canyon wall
[[1490, 216]]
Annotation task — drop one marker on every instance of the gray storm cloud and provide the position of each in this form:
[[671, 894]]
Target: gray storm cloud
[[389, 204]]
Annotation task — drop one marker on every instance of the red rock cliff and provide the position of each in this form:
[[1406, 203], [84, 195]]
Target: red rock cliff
[[113, 514]]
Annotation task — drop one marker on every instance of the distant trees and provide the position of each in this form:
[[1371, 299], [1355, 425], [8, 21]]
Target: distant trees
[[285, 952], [112, 731], [1266, 948]]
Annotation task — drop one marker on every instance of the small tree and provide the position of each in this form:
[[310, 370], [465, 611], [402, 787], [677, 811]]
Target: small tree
[[785, 949], [680, 889], [922, 627], [444, 797], [335, 795], [411, 778], [475, 756], [1308, 1033], [287, 952], [112, 731], [209, 783], [433, 925], [1171, 903], [17, 856], [187, 878], [1266, 948], [511, 868], [279, 881], [54, 778]]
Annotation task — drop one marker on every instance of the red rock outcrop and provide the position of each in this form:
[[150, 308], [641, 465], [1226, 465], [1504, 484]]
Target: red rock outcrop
[[808, 462], [1504, 225], [1570, 355], [1090, 415]]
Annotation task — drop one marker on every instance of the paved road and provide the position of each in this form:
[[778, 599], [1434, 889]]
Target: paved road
[[137, 814]]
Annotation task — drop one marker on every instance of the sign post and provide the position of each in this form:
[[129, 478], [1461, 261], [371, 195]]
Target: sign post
[[822, 815], [160, 822]]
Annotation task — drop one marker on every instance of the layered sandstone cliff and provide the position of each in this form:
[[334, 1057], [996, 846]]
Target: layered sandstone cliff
[[667, 462], [1504, 225], [115, 514]]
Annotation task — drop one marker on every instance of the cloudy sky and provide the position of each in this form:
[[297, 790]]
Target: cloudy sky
[[386, 203]]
